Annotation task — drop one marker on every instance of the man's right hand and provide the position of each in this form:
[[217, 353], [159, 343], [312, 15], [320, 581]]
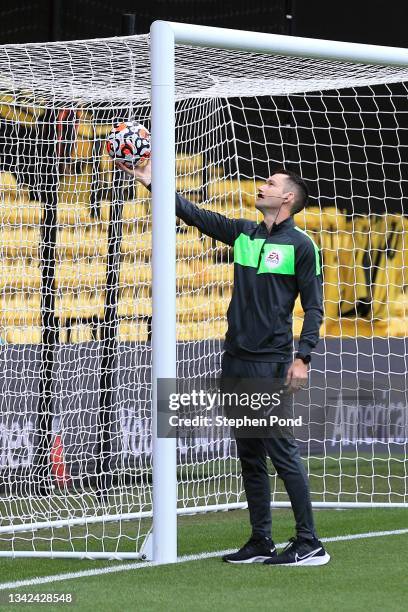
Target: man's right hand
[[142, 174]]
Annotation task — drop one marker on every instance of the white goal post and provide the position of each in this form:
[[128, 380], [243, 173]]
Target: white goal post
[[164, 37]]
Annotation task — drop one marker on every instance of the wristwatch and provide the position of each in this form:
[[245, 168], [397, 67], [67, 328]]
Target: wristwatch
[[305, 358]]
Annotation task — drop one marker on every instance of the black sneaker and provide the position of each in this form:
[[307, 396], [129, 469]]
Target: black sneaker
[[256, 550], [301, 552]]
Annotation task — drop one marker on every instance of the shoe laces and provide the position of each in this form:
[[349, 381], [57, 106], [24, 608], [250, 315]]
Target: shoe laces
[[291, 542], [294, 542], [258, 540]]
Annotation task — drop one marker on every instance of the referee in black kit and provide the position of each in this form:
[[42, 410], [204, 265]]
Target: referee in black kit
[[274, 261]]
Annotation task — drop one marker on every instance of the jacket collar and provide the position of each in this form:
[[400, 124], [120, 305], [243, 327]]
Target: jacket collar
[[278, 227]]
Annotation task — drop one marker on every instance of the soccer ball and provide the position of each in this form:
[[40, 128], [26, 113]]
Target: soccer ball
[[129, 143]]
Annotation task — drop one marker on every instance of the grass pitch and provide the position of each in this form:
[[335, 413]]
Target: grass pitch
[[368, 573]]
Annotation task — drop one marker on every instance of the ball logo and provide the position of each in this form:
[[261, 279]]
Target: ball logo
[[273, 259]]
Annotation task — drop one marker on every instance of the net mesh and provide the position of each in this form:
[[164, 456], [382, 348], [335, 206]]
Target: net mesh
[[76, 241]]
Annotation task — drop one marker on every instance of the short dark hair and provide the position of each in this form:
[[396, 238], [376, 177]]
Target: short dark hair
[[299, 187]]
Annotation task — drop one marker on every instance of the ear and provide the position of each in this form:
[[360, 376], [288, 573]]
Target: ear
[[289, 197]]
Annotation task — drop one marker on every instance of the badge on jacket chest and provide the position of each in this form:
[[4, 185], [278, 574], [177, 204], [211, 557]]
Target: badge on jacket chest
[[273, 259]]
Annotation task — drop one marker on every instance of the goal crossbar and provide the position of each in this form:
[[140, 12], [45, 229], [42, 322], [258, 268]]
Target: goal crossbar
[[291, 46]]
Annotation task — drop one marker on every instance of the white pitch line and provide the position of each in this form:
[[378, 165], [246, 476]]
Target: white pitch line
[[113, 569]]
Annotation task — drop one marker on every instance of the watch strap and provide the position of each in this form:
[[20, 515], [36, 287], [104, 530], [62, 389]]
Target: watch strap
[[305, 358]]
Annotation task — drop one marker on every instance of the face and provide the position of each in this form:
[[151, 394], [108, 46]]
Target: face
[[274, 193]]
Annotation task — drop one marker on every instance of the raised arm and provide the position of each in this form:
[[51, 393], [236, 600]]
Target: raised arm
[[212, 224]]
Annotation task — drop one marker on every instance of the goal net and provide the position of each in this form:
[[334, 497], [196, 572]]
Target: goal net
[[75, 280]]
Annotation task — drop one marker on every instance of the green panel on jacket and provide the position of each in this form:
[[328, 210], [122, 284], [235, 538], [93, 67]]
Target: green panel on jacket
[[267, 258], [246, 251]]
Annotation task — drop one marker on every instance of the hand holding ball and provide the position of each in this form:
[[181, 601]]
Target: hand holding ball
[[129, 143]]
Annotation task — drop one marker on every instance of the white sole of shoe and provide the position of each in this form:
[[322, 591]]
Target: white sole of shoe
[[323, 560], [251, 560]]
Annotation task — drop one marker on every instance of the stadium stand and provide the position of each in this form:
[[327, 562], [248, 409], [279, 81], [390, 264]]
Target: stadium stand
[[364, 259]]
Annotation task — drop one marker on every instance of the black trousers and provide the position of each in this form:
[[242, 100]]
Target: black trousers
[[283, 452]]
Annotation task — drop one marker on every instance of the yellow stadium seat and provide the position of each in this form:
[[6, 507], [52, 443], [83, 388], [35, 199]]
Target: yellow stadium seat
[[353, 327], [104, 211], [139, 226], [244, 212], [315, 218], [222, 300], [139, 273], [233, 212], [366, 240], [190, 308], [213, 206], [189, 275], [193, 308], [234, 193], [75, 189], [133, 212], [309, 219], [84, 306], [142, 292], [105, 171], [222, 191], [20, 115], [136, 212], [8, 185], [133, 307], [248, 189], [189, 184], [218, 274], [73, 215], [20, 212], [80, 333], [70, 275], [22, 335], [20, 309], [188, 244], [19, 242], [133, 331], [328, 228], [298, 310], [398, 327], [399, 306], [215, 172], [135, 273], [188, 164], [203, 330], [86, 129], [387, 232], [333, 219], [83, 149], [297, 326], [77, 242], [137, 245], [142, 194], [18, 274]]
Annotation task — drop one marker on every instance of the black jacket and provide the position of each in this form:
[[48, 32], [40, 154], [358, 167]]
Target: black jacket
[[270, 270]]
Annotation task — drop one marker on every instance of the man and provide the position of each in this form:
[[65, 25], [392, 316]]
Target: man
[[274, 261]]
